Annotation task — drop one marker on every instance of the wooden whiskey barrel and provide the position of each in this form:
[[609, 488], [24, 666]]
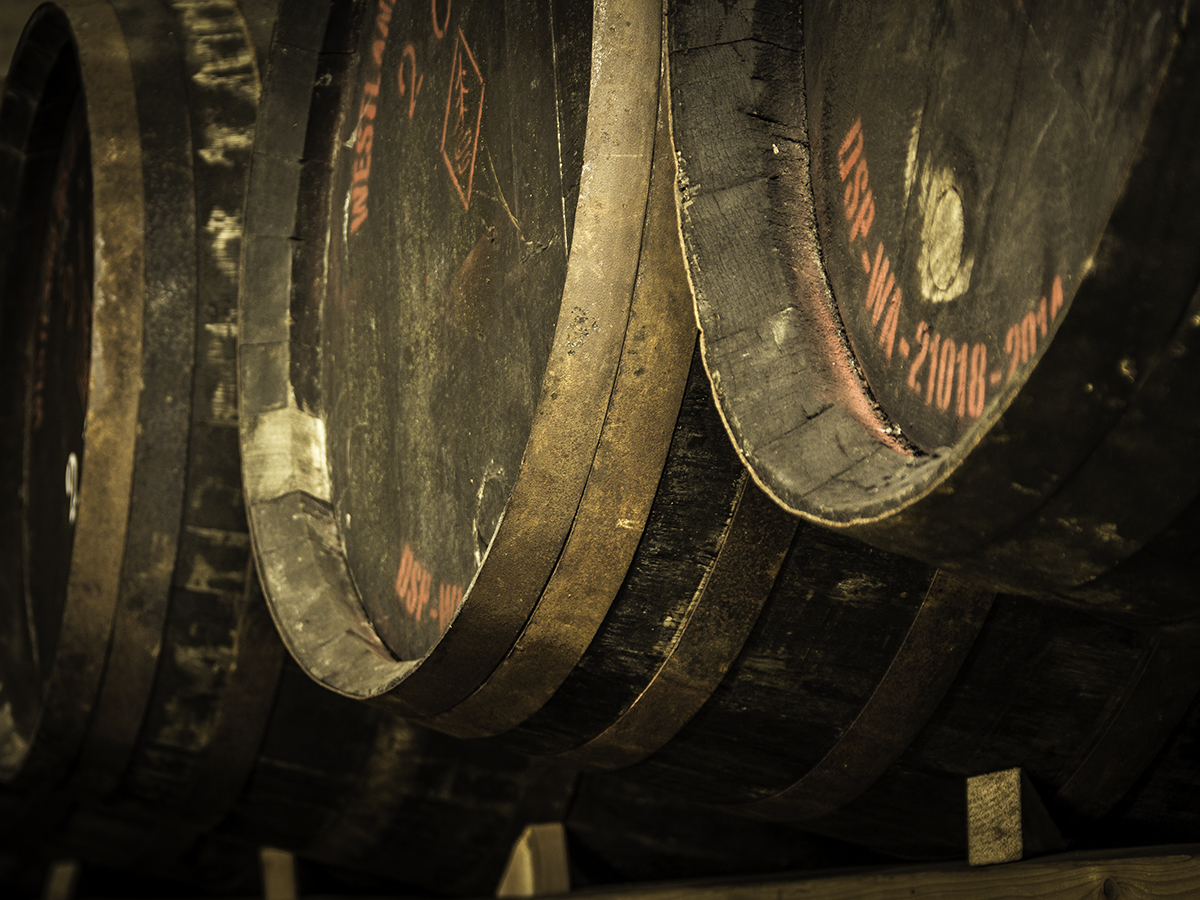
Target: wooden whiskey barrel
[[184, 730], [123, 185], [454, 431], [664, 564], [1131, 781], [945, 272], [708, 641], [142, 674], [292, 766]]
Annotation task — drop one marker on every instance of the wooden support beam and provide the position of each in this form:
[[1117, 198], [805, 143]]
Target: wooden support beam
[[1162, 873], [1006, 820], [538, 865], [61, 879], [278, 874]]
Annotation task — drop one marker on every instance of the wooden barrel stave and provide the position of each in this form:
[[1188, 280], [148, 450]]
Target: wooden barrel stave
[[739, 749], [1043, 689], [428, 686], [372, 794], [185, 792], [1157, 570], [1143, 474], [188, 73], [88, 574], [1143, 728], [169, 364], [213, 518], [312, 560], [354, 788], [148, 754], [800, 679], [640, 425], [415, 807], [288, 764], [663, 585]]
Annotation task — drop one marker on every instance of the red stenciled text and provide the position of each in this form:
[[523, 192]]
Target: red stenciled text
[[858, 197], [956, 373], [460, 134], [409, 79], [368, 106], [950, 376], [414, 587], [883, 294], [464, 114], [1022, 338], [439, 29]]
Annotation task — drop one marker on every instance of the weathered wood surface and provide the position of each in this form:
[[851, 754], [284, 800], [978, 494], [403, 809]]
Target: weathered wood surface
[[1085, 705], [1056, 444], [60, 598], [346, 786], [650, 600], [1006, 820], [1161, 872], [161, 710], [993, 718], [150, 528], [730, 653], [510, 379]]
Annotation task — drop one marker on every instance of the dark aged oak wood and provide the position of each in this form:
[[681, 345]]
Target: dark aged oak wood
[[1020, 703], [510, 366], [509, 650], [198, 734], [148, 525], [666, 529], [133, 569], [723, 649], [162, 713], [1156, 872], [288, 764], [945, 273]]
